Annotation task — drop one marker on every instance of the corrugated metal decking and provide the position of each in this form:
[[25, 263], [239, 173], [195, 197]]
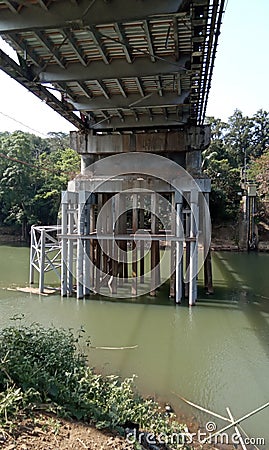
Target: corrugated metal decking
[[124, 65]]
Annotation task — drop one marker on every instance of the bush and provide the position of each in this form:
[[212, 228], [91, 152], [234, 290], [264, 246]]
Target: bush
[[44, 364]]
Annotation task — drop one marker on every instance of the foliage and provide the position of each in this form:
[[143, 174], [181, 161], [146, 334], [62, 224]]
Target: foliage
[[44, 364], [33, 173], [17, 183], [234, 148], [61, 165], [10, 404], [259, 172], [238, 138], [39, 358], [219, 165], [260, 136]]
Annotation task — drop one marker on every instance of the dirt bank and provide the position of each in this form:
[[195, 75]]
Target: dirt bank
[[43, 431], [47, 432], [225, 237], [10, 235]]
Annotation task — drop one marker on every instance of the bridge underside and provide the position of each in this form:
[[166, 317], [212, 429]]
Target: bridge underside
[[132, 76], [115, 65]]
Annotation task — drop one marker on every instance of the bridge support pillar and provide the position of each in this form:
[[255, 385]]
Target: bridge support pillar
[[193, 267], [184, 148], [113, 239], [179, 249]]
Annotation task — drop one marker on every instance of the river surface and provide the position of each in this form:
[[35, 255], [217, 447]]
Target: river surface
[[215, 354]]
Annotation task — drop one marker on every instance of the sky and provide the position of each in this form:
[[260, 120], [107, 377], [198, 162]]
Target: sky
[[240, 77]]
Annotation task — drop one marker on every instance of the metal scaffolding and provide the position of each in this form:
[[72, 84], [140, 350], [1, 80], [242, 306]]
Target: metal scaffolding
[[45, 253]]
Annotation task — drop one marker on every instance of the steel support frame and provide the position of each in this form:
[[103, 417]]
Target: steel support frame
[[69, 255], [45, 253], [78, 230]]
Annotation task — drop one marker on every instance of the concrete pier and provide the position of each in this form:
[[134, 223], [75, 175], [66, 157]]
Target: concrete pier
[[117, 204]]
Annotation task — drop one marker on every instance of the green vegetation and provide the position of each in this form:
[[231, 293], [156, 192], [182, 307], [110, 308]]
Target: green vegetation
[[241, 140], [39, 365], [259, 171], [30, 192], [33, 171]]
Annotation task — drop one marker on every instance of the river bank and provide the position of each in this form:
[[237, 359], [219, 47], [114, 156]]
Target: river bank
[[224, 237], [43, 369], [44, 378], [10, 235], [44, 431]]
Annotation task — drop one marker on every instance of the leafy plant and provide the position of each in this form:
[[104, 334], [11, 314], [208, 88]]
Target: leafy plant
[[33, 172], [44, 365], [239, 142]]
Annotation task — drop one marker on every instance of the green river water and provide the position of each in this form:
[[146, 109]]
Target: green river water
[[215, 354]]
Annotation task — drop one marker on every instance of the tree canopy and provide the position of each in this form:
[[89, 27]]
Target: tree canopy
[[33, 172], [238, 148]]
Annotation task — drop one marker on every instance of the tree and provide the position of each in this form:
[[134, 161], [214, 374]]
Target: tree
[[33, 173], [57, 140], [18, 181], [225, 176], [238, 138], [259, 172], [235, 145], [61, 166], [260, 138]]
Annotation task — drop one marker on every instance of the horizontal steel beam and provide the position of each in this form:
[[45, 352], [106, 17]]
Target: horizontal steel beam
[[85, 13], [102, 183], [100, 71], [11, 68], [128, 237], [120, 102], [115, 123]]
